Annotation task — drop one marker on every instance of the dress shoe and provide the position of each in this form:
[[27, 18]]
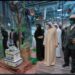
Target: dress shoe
[[72, 71], [65, 65], [58, 57]]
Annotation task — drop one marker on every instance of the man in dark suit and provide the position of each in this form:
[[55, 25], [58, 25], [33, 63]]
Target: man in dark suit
[[63, 37], [70, 44], [66, 51], [5, 38], [14, 37]]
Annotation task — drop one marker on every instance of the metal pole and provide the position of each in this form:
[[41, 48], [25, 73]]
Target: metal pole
[[45, 10], [62, 13]]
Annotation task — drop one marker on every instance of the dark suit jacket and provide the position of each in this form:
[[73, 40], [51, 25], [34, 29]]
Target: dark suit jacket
[[70, 36], [15, 36], [4, 34], [64, 36]]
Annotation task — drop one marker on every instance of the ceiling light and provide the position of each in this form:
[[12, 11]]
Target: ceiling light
[[58, 17], [59, 9], [8, 24], [37, 19]]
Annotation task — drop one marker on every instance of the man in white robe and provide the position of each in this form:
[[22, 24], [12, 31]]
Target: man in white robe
[[50, 44], [59, 48]]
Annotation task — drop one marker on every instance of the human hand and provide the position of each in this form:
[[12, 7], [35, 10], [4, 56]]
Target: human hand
[[56, 46], [73, 41], [40, 37]]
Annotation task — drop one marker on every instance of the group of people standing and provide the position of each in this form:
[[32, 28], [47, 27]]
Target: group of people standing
[[9, 38], [49, 44]]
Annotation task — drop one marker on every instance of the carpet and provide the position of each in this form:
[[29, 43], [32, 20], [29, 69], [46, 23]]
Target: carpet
[[21, 69]]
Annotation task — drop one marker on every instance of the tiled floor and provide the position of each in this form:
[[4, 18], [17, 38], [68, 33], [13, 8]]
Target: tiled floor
[[4, 71], [32, 71], [40, 68], [57, 69]]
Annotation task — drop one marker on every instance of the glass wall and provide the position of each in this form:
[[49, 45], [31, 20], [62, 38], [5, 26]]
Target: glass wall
[[31, 13], [58, 11], [1, 23]]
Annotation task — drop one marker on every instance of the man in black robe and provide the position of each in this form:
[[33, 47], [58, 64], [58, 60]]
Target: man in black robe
[[39, 37], [5, 39]]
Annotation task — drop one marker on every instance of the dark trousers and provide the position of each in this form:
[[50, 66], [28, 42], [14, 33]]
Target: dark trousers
[[67, 54], [5, 45], [73, 60], [63, 49], [15, 43]]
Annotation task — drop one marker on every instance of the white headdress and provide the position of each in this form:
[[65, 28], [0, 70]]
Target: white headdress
[[50, 23], [55, 24]]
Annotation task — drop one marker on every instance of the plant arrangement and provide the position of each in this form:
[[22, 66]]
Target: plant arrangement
[[17, 9], [25, 45]]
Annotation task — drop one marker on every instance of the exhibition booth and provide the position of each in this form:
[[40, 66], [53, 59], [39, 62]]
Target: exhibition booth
[[22, 17]]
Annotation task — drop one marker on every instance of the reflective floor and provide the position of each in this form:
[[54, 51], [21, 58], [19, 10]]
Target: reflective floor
[[57, 69], [40, 68]]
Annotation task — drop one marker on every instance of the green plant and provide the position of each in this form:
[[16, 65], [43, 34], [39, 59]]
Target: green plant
[[23, 28], [25, 45], [33, 60], [34, 50]]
